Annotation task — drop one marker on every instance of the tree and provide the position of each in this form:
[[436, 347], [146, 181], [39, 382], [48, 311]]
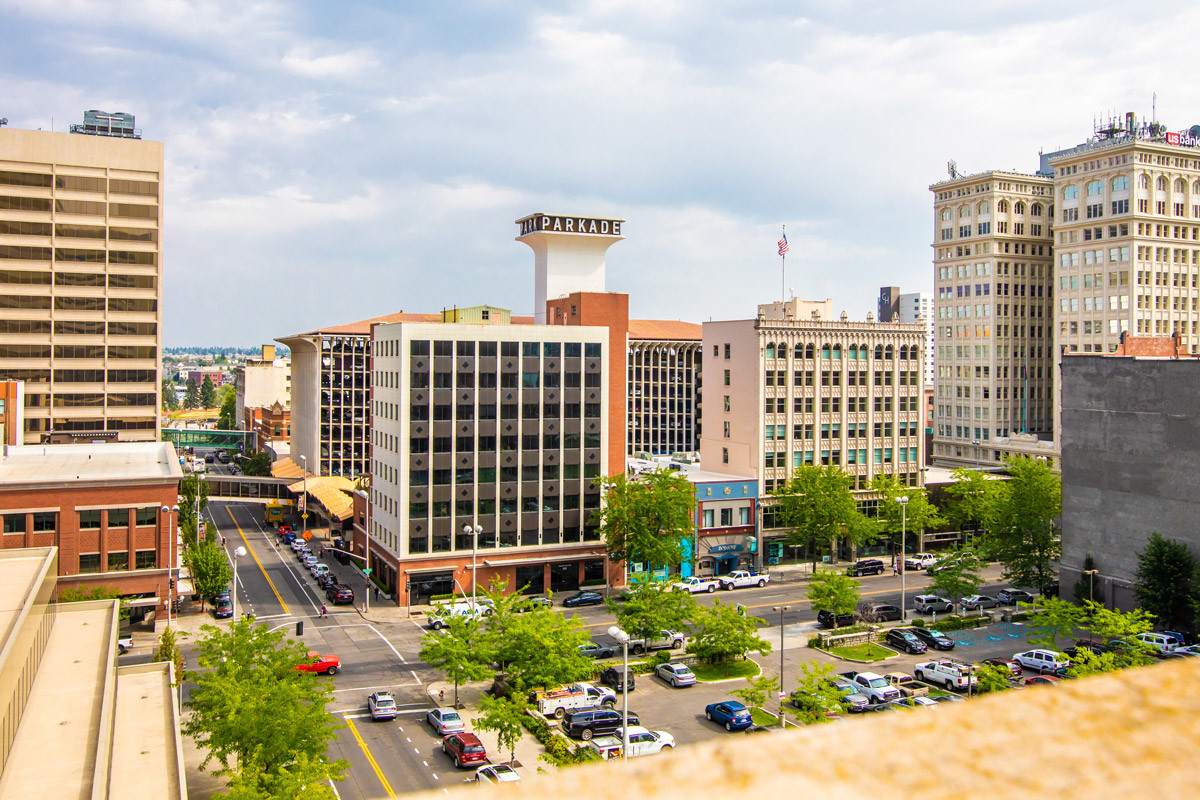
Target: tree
[[914, 515], [757, 691], [227, 420], [170, 401], [208, 393], [251, 708], [168, 650], [1021, 514], [970, 497], [817, 506], [303, 780], [816, 697], [992, 678], [646, 519], [94, 593], [192, 398], [723, 634], [1058, 618], [957, 575], [210, 568], [502, 716], [652, 607], [452, 652], [258, 464], [833, 591], [1116, 624], [1164, 581], [1085, 586]]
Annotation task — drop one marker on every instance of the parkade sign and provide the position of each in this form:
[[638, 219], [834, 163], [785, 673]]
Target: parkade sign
[[551, 223]]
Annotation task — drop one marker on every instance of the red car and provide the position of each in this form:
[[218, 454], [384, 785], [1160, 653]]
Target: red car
[[1040, 680], [464, 748], [319, 663]]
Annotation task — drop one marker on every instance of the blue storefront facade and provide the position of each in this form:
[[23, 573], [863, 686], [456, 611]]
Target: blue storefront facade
[[726, 516]]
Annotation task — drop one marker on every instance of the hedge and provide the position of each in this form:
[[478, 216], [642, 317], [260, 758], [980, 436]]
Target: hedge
[[559, 750], [961, 623]]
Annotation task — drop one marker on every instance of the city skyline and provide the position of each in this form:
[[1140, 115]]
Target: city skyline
[[322, 168]]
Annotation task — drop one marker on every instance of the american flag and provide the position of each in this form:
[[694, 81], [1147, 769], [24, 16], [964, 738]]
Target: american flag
[[783, 245]]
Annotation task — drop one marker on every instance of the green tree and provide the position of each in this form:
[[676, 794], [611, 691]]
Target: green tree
[[992, 678], [816, 696], [1057, 618], [170, 401], [94, 593], [1163, 582], [833, 591], [1084, 588], [757, 691], [192, 398], [646, 519], [253, 711], [969, 498], [456, 651], [208, 393], [912, 516], [652, 607], [227, 421], [210, 568], [723, 634], [168, 650], [817, 506], [1115, 624], [1021, 522], [306, 779], [958, 575], [258, 464], [502, 716]]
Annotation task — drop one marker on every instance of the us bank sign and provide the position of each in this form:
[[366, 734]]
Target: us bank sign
[[550, 223]]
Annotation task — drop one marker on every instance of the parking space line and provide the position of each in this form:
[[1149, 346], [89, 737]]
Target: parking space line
[[370, 758], [254, 555]]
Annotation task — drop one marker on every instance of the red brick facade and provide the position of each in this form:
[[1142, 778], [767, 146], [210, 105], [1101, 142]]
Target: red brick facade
[[1152, 346]]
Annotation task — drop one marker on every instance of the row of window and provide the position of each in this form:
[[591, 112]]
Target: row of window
[[833, 404], [420, 379], [69, 351], [443, 347], [89, 563], [78, 183], [853, 378], [77, 328], [489, 540], [84, 207], [708, 517], [883, 455], [486, 444], [12, 228], [833, 430], [96, 279], [484, 475], [62, 254], [439, 509], [834, 351]]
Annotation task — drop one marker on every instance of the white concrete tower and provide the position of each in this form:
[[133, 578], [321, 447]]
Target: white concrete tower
[[568, 254]]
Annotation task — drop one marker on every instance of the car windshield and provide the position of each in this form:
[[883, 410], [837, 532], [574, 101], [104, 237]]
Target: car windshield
[[878, 683], [385, 701]]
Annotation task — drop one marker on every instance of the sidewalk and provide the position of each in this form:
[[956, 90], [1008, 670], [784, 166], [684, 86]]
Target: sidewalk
[[528, 748]]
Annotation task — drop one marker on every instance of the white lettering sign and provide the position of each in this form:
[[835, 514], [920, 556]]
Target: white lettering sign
[[547, 222]]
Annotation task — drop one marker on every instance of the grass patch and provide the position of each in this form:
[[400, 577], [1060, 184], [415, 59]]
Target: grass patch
[[725, 670], [863, 652], [938, 692], [761, 717]]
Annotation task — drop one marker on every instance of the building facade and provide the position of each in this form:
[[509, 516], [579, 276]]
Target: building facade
[[912, 307], [497, 426], [80, 280], [663, 387]]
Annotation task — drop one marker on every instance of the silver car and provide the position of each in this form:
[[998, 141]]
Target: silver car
[[676, 674], [978, 601]]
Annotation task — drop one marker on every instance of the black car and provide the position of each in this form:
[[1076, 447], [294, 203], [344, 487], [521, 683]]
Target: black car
[[588, 722], [827, 619], [326, 580], [1090, 645], [1050, 590], [905, 639], [340, 594], [584, 599], [935, 639], [867, 566], [534, 602], [612, 677], [593, 650], [884, 613]]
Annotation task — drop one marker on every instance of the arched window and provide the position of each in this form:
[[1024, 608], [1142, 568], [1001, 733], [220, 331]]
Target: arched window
[[904, 352], [1070, 193], [1143, 181], [1050, 213], [799, 351], [1019, 208], [946, 215], [825, 351], [983, 207], [1036, 209], [1196, 187], [1180, 186], [878, 351], [888, 353], [1094, 188], [837, 352], [770, 351], [1161, 183], [964, 211], [1002, 206], [1120, 183], [809, 351], [852, 352]]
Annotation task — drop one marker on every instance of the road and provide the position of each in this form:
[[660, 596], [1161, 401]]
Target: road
[[403, 755]]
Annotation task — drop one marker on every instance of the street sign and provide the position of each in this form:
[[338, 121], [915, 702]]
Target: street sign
[[783, 695], [304, 515], [306, 535], [367, 572]]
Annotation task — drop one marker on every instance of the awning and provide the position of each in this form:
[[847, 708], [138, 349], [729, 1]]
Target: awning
[[184, 587], [332, 492], [141, 602], [286, 468], [725, 556]]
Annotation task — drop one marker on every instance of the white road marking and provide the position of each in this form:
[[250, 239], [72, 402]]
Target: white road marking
[[435, 776], [425, 763], [415, 750], [336, 793], [408, 740], [376, 688]]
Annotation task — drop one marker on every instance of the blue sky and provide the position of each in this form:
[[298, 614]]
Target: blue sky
[[328, 162]]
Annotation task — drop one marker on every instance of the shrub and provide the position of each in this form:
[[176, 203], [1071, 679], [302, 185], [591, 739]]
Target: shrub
[[918, 623], [960, 623]]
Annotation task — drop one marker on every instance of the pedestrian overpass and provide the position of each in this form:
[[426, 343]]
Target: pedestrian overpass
[[217, 439]]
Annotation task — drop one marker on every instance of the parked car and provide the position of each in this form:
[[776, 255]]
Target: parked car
[[445, 721], [949, 698], [907, 684], [1188, 650], [978, 601], [915, 702], [557, 702], [534, 602], [827, 619], [340, 594], [883, 613], [695, 585], [1004, 663], [1090, 645], [382, 705], [741, 579], [874, 686], [931, 603], [308, 560], [1010, 597], [854, 699], [950, 674], [666, 640], [496, 773], [676, 674], [1050, 590], [589, 722], [328, 665], [919, 561], [1041, 661], [935, 639], [318, 569], [326, 580], [124, 643], [464, 749], [584, 599], [612, 676], [866, 566], [1158, 643], [641, 743], [732, 714], [223, 609], [1040, 680], [593, 650], [905, 639]]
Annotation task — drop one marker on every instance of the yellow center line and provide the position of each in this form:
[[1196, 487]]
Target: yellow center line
[[254, 555], [387, 787]]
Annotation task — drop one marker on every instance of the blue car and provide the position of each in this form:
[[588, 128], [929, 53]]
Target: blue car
[[584, 599], [732, 714]]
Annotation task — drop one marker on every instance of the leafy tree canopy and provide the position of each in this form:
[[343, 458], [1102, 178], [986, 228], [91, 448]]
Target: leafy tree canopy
[[651, 607], [210, 567], [1058, 618], [456, 651], [1164, 582], [817, 506], [723, 633], [646, 519], [914, 515], [1021, 514], [833, 591], [208, 393], [960, 576]]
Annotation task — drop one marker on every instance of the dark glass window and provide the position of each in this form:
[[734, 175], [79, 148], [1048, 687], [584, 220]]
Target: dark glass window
[[443, 348]]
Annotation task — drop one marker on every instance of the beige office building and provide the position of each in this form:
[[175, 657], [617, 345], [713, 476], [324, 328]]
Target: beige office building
[[993, 315], [261, 383], [80, 280]]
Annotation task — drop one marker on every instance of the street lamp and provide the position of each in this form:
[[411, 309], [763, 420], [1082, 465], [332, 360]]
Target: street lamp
[[199, 519], [623, 637], [1091, 573], [304, 498], [473, 532], [903, 501], [781, 609], [238, 552], [170, 555]]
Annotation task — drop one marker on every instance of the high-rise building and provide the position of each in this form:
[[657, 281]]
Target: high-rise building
[[80, 279], [911, 307], [796, 386], [663, 391]]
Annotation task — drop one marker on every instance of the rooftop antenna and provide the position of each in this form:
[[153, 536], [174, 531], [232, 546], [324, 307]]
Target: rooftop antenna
[[1154, 107], [952, 168], [3, 121]]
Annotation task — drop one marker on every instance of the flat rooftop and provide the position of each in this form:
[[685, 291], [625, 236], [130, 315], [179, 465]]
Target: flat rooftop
[[146, 747], [102, 462], [19, 573]]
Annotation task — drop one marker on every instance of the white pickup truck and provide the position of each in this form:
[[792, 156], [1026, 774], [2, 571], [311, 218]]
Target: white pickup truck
[[642, 742], [578, 695], [667, 640], [696, 585], [741, 579], [873, 686], [950, 674]]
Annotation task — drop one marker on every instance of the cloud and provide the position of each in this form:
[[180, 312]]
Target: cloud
[[344, 65]]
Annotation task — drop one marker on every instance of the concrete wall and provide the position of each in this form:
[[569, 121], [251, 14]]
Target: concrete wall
[[1130, 464]]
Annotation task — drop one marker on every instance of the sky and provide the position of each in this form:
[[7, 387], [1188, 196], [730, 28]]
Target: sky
[[328, 162]]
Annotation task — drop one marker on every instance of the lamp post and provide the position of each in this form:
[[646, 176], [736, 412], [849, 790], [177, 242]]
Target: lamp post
[[304, 499], [623, 637], [199, 520], [367, 553], [170, 556], [781, 609], [903, 501], [1091, 573], [473, 531], [238, 552]]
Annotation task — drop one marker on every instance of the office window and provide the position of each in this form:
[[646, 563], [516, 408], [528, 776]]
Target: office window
[[118, 561], [89, 520], [707, 518], [89, 563], [145, 559], [118, 517], [726, 516], [14, 523]]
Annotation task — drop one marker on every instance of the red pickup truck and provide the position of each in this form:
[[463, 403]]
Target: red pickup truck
[[319, 663]]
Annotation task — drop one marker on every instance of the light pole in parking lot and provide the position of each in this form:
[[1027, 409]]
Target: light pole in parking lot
[[781, 609], [171, 536], [473, 531], [623, 637], [238, 552], [903, 501]]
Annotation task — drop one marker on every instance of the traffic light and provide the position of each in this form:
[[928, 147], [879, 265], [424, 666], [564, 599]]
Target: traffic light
[[171, 583]]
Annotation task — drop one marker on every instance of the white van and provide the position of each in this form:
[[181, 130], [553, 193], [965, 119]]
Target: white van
[[1160, 643]]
